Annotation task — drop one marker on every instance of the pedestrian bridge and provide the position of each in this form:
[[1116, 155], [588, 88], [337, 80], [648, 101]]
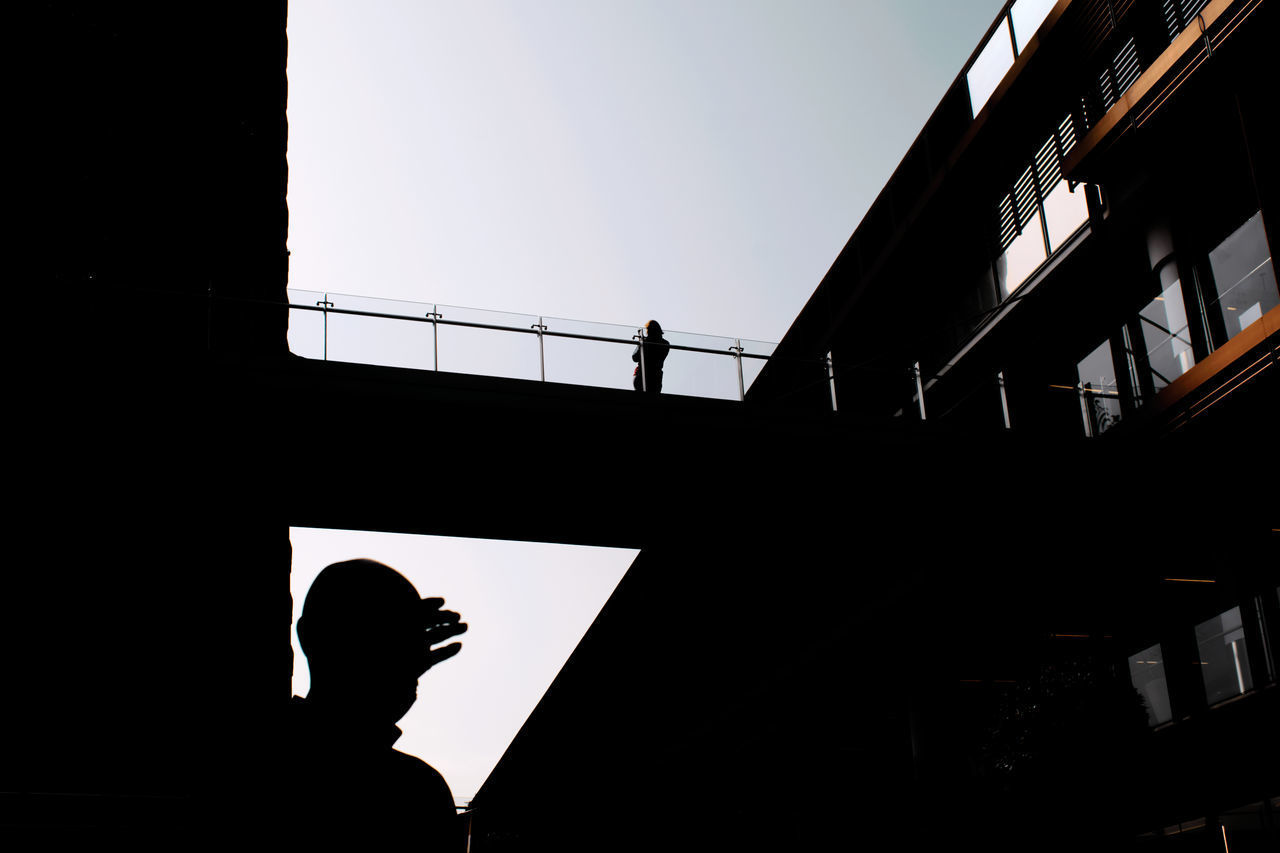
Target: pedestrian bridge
[[426, 336], [431, 419]]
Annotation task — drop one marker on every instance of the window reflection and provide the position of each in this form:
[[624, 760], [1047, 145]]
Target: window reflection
[[1146, 672], [1023, 256], [989, 68], [1064, 212], [1027, 16], [1101, 390], [1244, 276], [1224, 658], [1166, 336]]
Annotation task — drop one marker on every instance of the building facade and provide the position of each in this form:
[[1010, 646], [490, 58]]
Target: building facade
[[1075, 256]]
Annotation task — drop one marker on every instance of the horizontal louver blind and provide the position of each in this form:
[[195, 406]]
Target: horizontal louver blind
[[1066, 135], [1127, 67], [1118, 75], [1178, 14], [1048, 166], [1017, 206]]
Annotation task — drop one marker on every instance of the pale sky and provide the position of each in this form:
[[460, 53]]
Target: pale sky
[[698, 162], [701, 162]]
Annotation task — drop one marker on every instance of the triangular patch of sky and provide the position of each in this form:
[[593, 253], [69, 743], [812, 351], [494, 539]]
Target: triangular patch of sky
[[528, 605]]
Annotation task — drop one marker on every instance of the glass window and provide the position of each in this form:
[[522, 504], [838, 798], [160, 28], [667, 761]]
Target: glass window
[[1028, 15], [1064, 212], [1101, 399], [1023, 256], [1146, 672], [1244, 277], [1166, 336], [989, 68], [1224, 659]]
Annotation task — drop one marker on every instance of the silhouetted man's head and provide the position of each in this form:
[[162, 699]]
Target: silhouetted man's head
[[363, 629]]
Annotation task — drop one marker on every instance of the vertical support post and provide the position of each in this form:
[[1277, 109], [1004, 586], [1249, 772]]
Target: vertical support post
[[433, 315], [831, 380], [736, 349], [1208, 45], [1041, 192], [1084, 410], [915, 372], [1004, 399], [644, 385], [1258, 635], [542, 358], [325, 305]]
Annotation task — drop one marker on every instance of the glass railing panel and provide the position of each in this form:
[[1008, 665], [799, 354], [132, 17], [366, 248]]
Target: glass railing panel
[[1167, 336], [1146, 674], [492, 343], [1100, 390], [757, 348], [306, 328], [989, 68], [398, 333], [579, 361], [385, 340], [711, 373], [1027, 16], [1224, 657], [1244, 277]]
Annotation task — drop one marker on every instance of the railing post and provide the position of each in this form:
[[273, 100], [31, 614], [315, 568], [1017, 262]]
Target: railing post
[[542, 358], [1004, 399], [1084, 409], [831, 380], [736, 349], [433, 315], [325, 305], [644, 383], [1208, 45], [915, 373]]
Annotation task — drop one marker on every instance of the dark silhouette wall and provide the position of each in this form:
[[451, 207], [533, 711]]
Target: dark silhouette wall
[[148, 570]]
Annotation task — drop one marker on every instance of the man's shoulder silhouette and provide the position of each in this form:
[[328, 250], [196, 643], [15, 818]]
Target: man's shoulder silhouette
[[362, 787]]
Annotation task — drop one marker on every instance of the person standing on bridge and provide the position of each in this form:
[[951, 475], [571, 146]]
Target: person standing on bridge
[[649, 356]]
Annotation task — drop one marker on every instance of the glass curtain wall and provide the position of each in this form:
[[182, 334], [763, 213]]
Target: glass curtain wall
[[1100, 390], [1224, 657], [1244, 279], [1166, 336], [1146, 673]]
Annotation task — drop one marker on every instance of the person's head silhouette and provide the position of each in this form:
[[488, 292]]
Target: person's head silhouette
[[652, 329], [367, 636]]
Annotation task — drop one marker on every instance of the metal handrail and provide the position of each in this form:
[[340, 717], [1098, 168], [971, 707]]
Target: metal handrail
[[830, 367], [499, 328]]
